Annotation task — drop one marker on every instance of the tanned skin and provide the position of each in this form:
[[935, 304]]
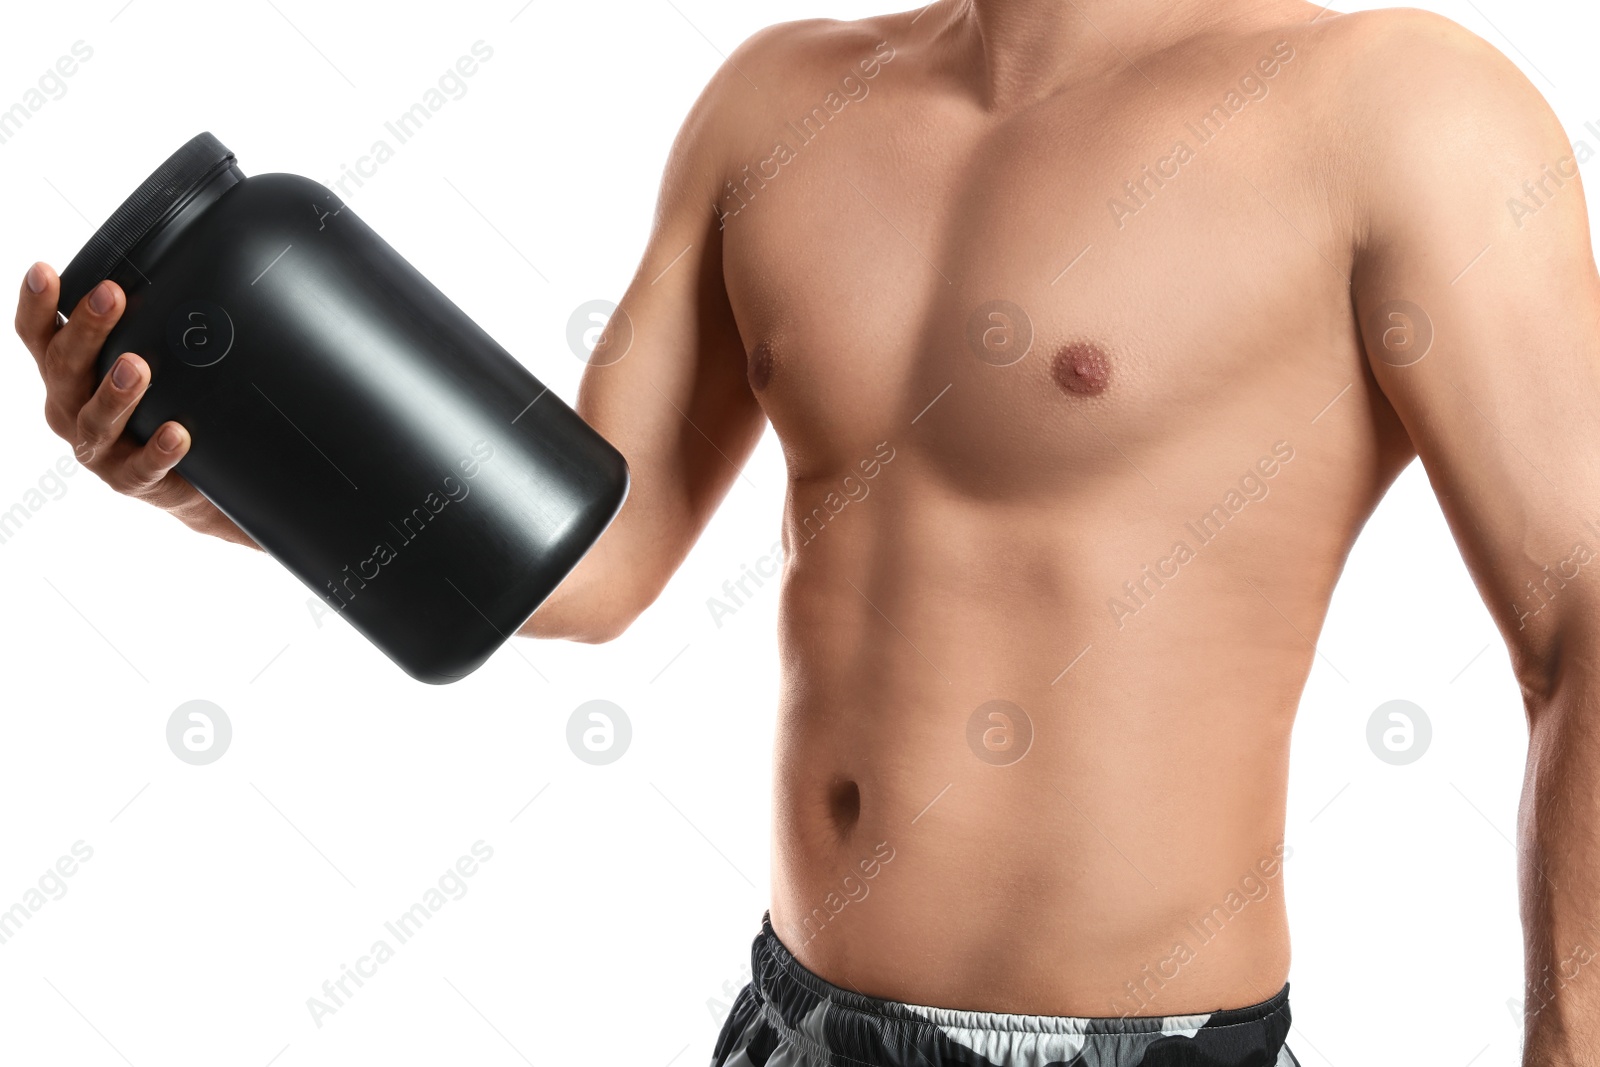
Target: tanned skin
[[1237, 339]]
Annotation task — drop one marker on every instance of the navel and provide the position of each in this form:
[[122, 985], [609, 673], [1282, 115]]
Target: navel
[[760, 365], [1082, 369], [844, 804]]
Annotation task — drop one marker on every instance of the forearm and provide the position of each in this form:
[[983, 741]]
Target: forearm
[[596, 602], [1559, 830], [675, 488], [686, 431], [625, 570]]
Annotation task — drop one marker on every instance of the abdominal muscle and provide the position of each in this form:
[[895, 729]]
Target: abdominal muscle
[[991, 796]]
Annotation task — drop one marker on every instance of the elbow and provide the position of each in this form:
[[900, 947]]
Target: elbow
[[1558, 665], [1536, 669], [587, 620], [603, 630], [587, 629], [600, 599]]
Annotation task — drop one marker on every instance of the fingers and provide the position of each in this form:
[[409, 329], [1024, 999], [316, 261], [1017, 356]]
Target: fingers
[[143, 471], [147, 472], [69, 357], [93, 415], [101, 420], [36, 309]]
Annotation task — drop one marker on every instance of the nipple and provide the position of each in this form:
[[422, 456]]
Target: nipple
[[1082, 369]]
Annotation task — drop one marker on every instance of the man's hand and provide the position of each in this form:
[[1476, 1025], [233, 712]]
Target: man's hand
[[92, 417]]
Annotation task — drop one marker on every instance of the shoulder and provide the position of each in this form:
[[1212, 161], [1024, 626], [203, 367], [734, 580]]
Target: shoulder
[[1428, 123], [806, 41], [1402, 28], [790, 61], [775, 75], [1403, 71]]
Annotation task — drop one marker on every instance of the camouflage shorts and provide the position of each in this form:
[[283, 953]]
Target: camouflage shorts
[[790, 1017]]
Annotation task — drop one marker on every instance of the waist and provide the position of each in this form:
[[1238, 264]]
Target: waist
[[1091, 862], [1101, 926], [807, 1011]]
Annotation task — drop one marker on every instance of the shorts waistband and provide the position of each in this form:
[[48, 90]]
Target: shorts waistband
[[816, 1014]]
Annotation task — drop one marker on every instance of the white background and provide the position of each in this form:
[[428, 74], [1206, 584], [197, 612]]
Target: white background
[[619, 905]]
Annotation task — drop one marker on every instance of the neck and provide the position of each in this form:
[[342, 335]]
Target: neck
[[1019, 51]]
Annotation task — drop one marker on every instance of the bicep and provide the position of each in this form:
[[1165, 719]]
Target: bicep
[[666, 384], [1478, 303]]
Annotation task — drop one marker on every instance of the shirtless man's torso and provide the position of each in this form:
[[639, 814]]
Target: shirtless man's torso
[[1093, 333]]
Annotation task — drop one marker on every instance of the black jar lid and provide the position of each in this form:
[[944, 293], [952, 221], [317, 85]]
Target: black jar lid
[[151, 206]]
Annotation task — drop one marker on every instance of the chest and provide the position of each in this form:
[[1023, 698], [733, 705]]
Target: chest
[[1029, 295]]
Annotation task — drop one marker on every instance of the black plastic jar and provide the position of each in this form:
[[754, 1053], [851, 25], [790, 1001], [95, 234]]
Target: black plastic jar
[[344, 413]]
